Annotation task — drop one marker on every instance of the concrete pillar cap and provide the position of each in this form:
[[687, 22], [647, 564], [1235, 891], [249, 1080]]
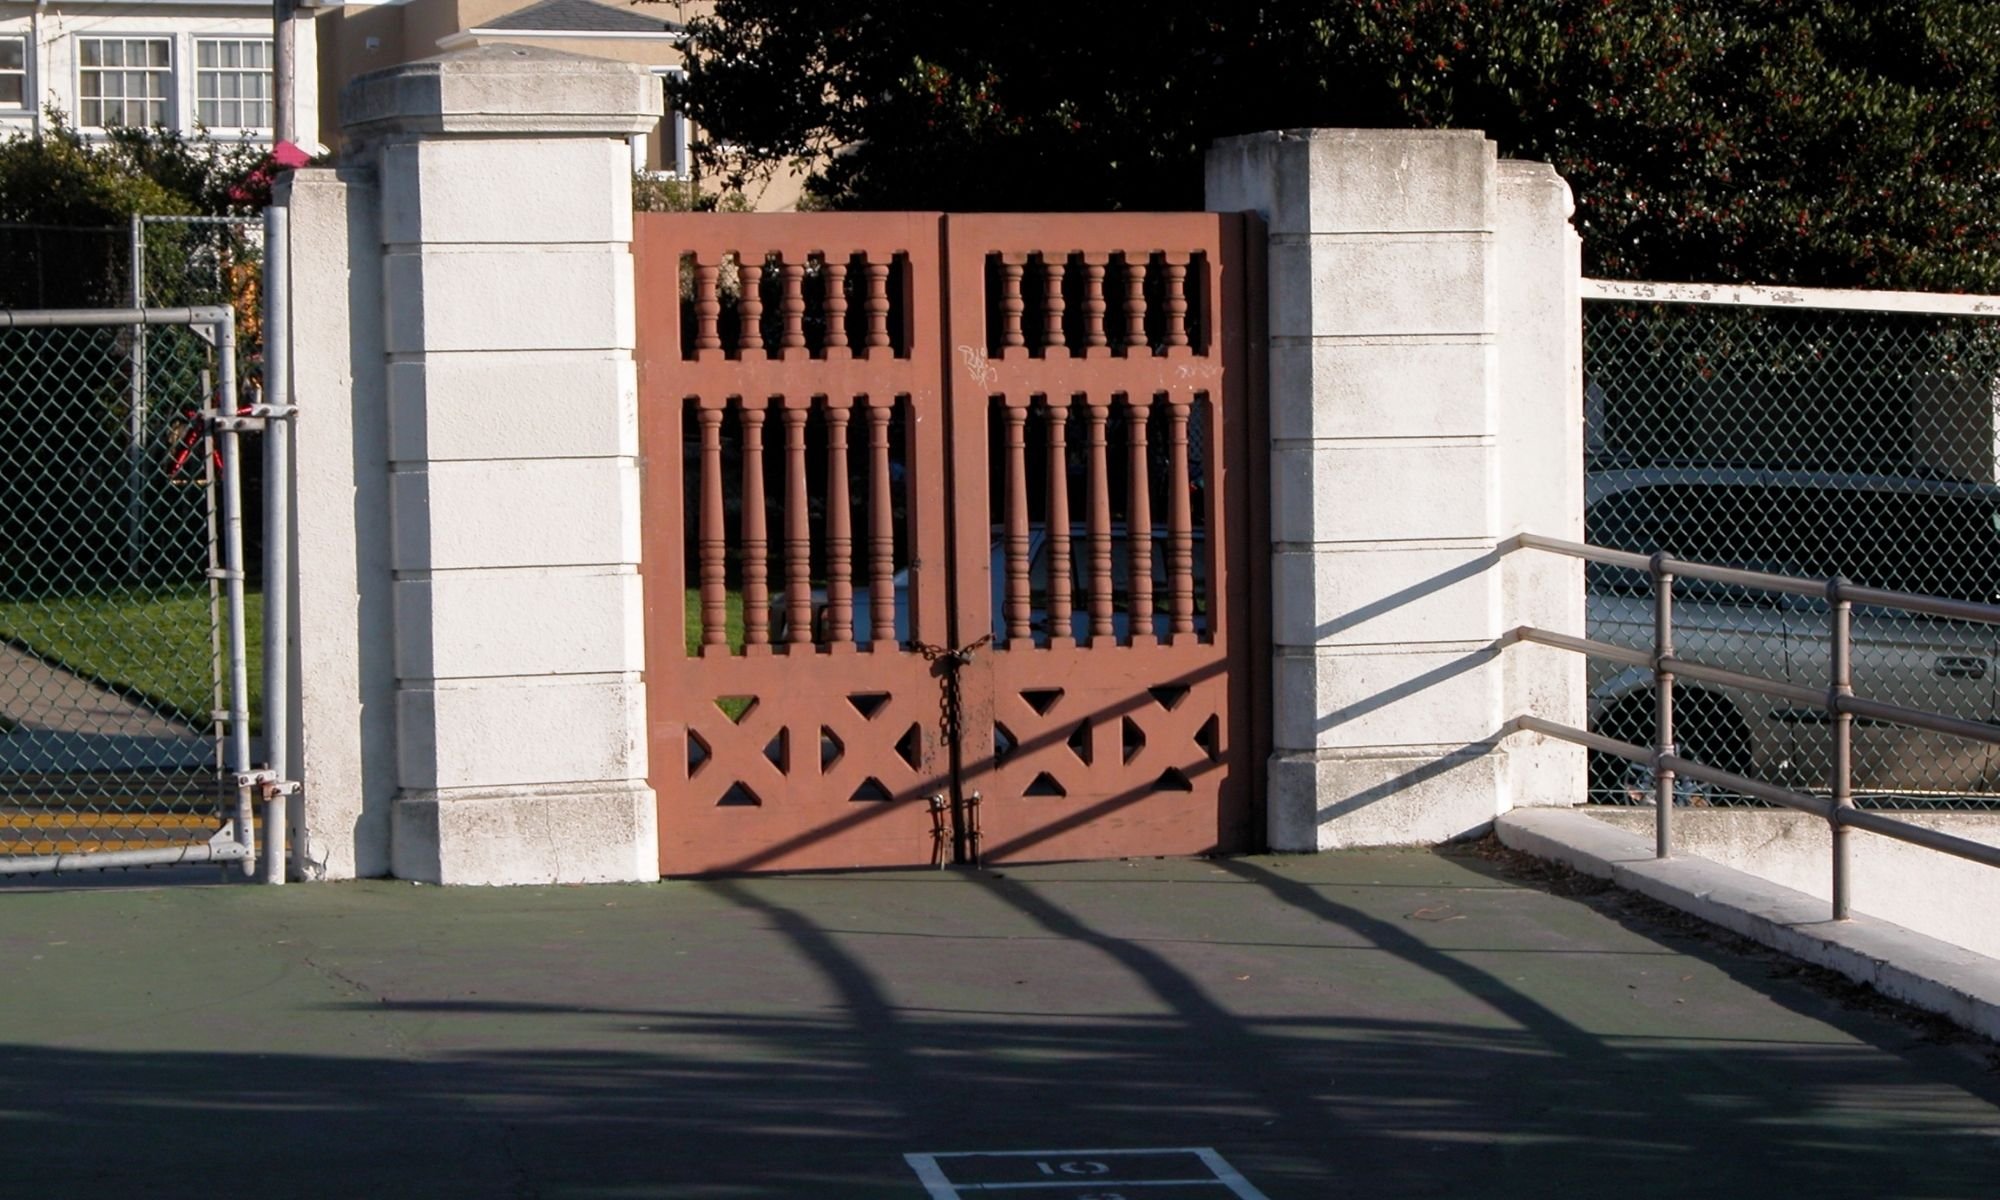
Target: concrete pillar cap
[[505, 90]]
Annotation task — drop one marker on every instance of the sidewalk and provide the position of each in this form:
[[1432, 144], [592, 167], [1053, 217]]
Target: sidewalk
[[1378, 1024]]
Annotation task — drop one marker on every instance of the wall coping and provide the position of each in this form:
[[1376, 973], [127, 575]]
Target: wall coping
[[506, 90]]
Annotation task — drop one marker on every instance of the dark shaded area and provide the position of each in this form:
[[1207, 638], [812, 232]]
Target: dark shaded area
[[1404, 1025]]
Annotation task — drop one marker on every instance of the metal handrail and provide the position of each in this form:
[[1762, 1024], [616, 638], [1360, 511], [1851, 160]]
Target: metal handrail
[[1838, 700]]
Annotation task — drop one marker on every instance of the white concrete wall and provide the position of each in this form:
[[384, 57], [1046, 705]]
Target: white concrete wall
[[1424, 375], [343, 678], [480, 628], [1935, 894]]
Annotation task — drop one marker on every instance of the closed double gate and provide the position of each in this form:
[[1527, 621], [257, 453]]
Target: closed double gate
[[948, 537]]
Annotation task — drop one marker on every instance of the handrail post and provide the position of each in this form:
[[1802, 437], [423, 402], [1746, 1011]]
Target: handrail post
[[1841, 628], [1663, 712]]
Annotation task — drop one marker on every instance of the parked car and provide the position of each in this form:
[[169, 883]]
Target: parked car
[[1927, 536], [1038, 582]]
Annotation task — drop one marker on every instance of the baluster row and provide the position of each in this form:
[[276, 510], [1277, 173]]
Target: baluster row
[[830, 287], [878, 552], [1096, 295], [1017, 593]]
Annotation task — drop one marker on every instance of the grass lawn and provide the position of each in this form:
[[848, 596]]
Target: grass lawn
[[732, 622], [150, 646]]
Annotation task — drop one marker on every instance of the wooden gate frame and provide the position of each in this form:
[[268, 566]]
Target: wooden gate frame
[[945, 331]]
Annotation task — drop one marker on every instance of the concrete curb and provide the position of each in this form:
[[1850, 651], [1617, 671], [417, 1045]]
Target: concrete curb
[[1954, 982]]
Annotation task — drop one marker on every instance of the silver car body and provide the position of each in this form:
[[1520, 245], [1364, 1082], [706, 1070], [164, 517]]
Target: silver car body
[[1928, 536]]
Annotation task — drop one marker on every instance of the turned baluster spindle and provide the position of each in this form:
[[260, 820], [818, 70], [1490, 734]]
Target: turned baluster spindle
[[707, 307], [1139, 519], [835, 278], [1020, 630], [750, 306], [881, 533], [794, 306], [1135, 304], [1011, 304], [878, 304], [1094, 303], [1060, 603], [1177, 305], [714, 538], [1100, 521], [756, 538], [1053, 269], [839, 532], [1180, 521], [798, 531]]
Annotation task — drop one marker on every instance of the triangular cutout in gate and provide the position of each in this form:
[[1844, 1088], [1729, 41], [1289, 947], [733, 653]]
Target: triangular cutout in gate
[[1173, 779], [871, 789], [868, 703], [779, 751], [1046, 784], [1079, 742], [1209, 738], [1004, 742], [911, 746], [1042, 699], [1135, 739], [1169, 696], [831, 749], [698, 754], [739, 796], [736, 707]]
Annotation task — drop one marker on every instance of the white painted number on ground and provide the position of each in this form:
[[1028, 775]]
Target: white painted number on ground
[[1047, 1174]]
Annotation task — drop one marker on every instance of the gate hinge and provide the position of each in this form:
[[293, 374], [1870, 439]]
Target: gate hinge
[[266, 783], [251, 418]]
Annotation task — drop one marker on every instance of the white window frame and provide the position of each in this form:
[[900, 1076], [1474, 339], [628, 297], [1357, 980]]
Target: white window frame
[[270, 98], [673, 138], [169, 101], [26, 69]]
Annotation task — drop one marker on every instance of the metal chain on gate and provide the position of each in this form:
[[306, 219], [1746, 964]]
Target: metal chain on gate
[[951, 718]]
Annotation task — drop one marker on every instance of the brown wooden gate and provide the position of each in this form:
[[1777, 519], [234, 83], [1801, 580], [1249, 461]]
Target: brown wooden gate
[[871, 444]]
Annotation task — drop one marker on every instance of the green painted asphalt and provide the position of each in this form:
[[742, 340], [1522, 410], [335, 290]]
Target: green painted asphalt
[[1378, 1024]]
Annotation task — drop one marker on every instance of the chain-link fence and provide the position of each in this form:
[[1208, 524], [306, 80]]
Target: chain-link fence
[[1773, 432], [115, 717]]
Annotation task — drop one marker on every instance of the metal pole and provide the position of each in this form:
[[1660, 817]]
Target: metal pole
[[284, 70], [277, 557], [1842, 629], [224, 403], [1663, 711], [135, 433]]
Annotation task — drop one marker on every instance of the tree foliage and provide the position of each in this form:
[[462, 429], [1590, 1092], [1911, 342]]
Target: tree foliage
[[1832, 142], [58, 177]]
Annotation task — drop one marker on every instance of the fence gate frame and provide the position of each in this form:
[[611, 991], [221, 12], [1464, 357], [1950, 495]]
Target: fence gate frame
[[942, 692], [221, 421]]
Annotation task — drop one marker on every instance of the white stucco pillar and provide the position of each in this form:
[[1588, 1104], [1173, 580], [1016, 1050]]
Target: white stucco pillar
[[1424, 404], [508, 493]]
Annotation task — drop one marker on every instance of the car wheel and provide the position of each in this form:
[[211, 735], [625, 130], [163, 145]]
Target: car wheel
[[1707, 730]]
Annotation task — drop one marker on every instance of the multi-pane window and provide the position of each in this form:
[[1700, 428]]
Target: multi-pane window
[[232, 83], [13, 72], [123, 81]]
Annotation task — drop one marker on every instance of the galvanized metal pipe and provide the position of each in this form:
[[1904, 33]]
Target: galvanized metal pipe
[[51, 318], [1590, 646], [135, 415], [112, 859], [277, 548], [1663, 707], [1841, 632], [225, 401], [1933, 606], [1839, 700]]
